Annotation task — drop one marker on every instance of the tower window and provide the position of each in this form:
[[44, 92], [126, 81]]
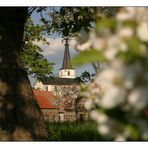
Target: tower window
[[68, 73]]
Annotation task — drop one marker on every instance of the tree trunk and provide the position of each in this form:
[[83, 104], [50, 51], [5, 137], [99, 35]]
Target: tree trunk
[[20, 117]]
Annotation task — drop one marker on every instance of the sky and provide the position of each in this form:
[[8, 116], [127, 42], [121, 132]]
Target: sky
[[54, 52]]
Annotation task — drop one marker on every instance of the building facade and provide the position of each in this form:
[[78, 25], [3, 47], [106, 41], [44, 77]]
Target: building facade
[[66, 77], [65, 91]]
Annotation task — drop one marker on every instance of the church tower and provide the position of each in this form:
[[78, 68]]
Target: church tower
[[66, 70]]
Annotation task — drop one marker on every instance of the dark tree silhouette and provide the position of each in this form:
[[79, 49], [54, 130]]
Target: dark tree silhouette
[[20, 117]]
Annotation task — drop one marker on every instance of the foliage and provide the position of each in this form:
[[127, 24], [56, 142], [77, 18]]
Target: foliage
[[37, 66], [65, 21], [85, 77], [67, 96], [69, 21], [88, 56], [76, 131], [118, 97]]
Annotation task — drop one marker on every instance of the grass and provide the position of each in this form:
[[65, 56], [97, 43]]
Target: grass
[[76, 131]]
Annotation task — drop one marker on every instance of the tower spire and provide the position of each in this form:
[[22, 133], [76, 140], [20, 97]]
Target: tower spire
[[66, 59], [66, 71]]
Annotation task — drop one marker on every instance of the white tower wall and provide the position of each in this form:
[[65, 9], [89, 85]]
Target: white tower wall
[[67, 73]]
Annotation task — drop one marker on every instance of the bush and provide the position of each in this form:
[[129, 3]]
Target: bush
[[76, 131]]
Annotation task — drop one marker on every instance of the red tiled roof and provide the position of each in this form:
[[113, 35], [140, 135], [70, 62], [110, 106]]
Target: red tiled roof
[[43, 99], [47, 94]]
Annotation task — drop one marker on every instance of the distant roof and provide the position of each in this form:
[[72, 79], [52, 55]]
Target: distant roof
[[59, 81], [44, 99]]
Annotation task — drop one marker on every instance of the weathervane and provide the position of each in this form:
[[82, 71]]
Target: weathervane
[[66, 40]]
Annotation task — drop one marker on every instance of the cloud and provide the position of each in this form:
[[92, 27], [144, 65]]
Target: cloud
[[55, 45], [54, 52]]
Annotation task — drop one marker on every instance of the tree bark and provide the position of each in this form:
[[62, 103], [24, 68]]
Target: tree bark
[[20, 117]]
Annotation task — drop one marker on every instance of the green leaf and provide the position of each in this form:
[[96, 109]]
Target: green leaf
[[88, 56], [133, 53], [130, 23], [105, 24], [36, 64], [134, 45], [133, 131]]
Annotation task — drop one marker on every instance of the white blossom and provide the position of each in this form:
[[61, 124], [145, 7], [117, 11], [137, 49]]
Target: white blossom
[[104, 129], [138, 98], [126, 32], [83, 46], [94, 114], [117, 65], [94, 88], [129, 83], [113, 97], [88, 104], [130, 73], [126, 13], [112, 41], [142, 14], [86, 94], [110, 53], [142, 31], [120, 138], [123, 46], [121, 82], [105, 76], [96, 42], [98, 116]]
